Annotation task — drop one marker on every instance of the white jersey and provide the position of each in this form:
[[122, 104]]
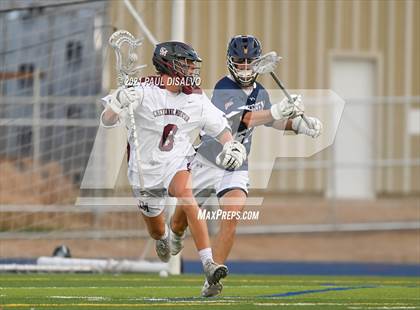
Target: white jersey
[[165, 122]]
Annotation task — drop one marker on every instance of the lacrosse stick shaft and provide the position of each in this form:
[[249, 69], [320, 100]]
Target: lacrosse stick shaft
[[289, 98], [136, 144], [125, 68]]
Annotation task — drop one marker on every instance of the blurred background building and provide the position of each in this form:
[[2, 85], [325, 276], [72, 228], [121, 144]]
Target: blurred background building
[[356, 200], [51, 62]]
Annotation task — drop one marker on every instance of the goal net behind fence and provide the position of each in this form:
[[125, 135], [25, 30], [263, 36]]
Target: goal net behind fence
[[52, 61]]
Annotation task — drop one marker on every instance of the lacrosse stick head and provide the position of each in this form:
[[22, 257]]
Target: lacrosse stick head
[[266, 63], [125, 62]]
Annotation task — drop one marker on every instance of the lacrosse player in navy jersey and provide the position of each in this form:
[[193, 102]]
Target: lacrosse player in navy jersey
[[246, 104]]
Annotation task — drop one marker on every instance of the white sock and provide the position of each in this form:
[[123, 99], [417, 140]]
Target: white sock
[[205, 255], [166, 233]]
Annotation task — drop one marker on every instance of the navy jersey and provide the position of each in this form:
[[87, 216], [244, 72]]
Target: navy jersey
[[229, 97]]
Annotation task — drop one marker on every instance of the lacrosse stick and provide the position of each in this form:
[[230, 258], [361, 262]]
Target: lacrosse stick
[[125, 68], [266, 64]]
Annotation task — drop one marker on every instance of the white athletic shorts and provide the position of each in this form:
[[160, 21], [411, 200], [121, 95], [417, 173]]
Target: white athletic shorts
[[208, 178], [153, 200]]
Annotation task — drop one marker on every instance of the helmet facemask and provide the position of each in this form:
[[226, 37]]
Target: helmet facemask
[[241, 69], [187, 68]]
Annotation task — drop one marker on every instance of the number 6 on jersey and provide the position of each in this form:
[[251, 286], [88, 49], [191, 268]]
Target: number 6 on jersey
[[167, 141]]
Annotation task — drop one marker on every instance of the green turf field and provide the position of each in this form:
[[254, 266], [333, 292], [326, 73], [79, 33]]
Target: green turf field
[[132, 291]]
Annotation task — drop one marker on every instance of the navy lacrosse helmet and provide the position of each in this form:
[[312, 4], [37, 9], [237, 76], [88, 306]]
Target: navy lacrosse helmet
[[242, 51], [173, 58]]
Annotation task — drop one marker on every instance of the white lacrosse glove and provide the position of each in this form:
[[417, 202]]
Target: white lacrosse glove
[[121, 98], [284, 109], [313, 129], [232, 156]]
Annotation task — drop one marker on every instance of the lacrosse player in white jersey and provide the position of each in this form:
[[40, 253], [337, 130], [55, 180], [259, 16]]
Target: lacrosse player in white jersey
[[246, 105], [167, 108]]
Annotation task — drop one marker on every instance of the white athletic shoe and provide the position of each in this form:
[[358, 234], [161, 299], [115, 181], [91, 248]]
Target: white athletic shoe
[[214, 272], [211, 290], [163, 249], [177, 242]]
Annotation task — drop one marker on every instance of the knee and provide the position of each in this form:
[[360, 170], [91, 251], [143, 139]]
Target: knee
[[186, 200], [182, 193]]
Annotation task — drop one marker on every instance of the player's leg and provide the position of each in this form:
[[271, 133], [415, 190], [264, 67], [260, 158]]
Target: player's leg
[[233, 200], [181, 188], [152, 209], [179, 221], [232, 192], [178, 225], [202, 189], [159, 231], [155, 226]]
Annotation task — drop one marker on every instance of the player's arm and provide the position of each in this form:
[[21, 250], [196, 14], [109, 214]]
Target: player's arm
[[225, 136], [313, 128], [233, 153], [109, 118], [115, 104], [278, 113], [285, 116], [283, 124], [264, 117], [216, 124], [257, 118]]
